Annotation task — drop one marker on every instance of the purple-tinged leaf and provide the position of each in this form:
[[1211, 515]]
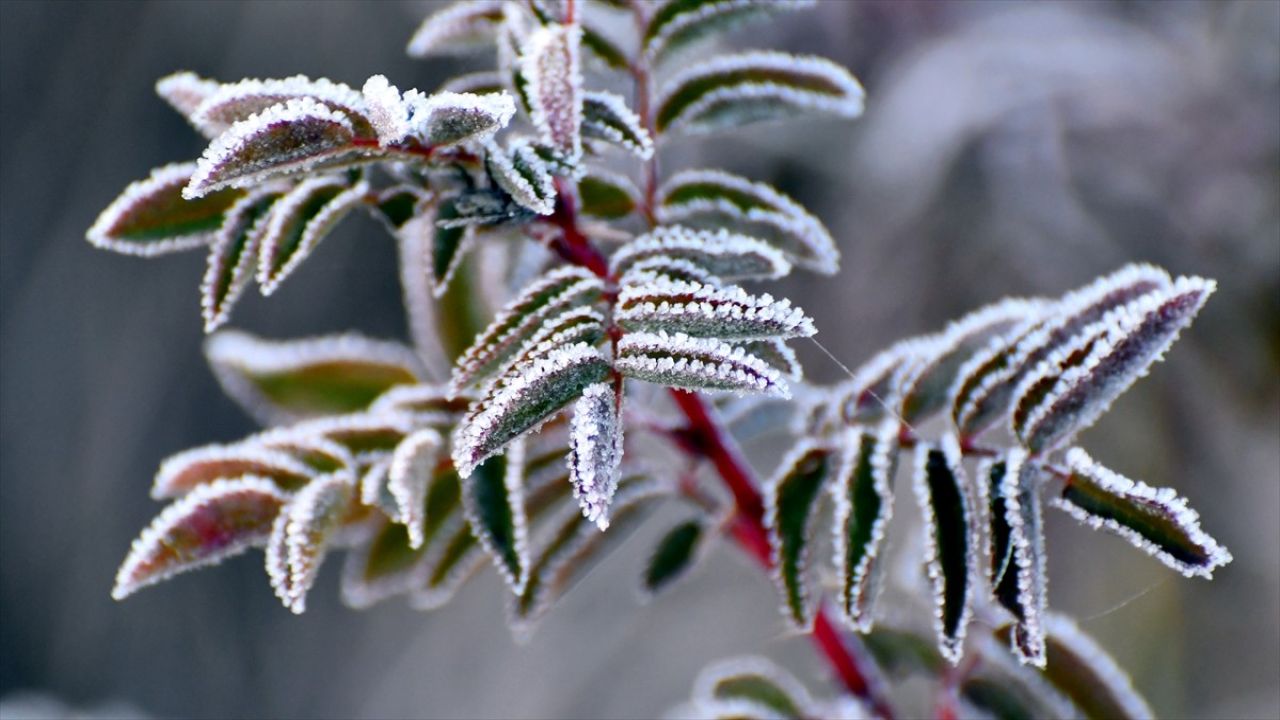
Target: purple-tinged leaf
[[721, 253], [366, 436], [951, 541], [607, 195], [1018, 570], [299, 221], [233, 255], [1131, 338], [677, 24], [559, 290], [579, 325], [293, 137], [236, 102], [388, 113], [757, 681], [863, 508], [318, 453], [204, 527], [461, 27], [1154, 520], [151, 217], [449, 118], [313, 516], [429, 404], [550, 63], [992, 377], [701, 310], [523, 175], [757, 86], [412, 467], [493, 498], [181, 473], [695, 364], [524, 400], [1080, 669], [186, 92], [606, 117], [278, 381], [713, 198], [595, 455], [675, 555], [791, 505]]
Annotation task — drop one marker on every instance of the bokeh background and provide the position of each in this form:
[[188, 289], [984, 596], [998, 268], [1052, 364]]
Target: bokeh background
[[1007, 149]]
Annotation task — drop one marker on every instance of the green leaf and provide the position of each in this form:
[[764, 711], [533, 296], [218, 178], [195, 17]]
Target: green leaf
[[307, 523], [744, 88], [864, 506], [728, 312], [383, 567], [755, 680], [722, 253], [152, 218], [606, 117], [951, 541], [791, 509], [204, 527], [677, 24], [1080, 669], [607, 195], [493, 497], [1018, 555], [675, 555], [232, 256], [603, 50], [449, 245], [293, 379], [690, 363], [522, 174], [299, 221]]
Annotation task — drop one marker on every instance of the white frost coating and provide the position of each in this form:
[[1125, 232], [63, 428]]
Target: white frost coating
[[373, 488], [167, 177], [967, 401], [337, 427], [779, 355], [476, 83], [727, 312], [174, 476], [475, 431], [152, 540], [300, 443], [236, 242], [708, 11], [236, 101], [412, 466], [218, 166], [551, 62], [1164, 502], [711, 676], [276, 558], [237, 357], [1021, 480], [523, 175], [483, 115], [846, 408], [860, 589], [270, 272], [768, 207], [951, 647], [415, 240], [459, 27], [185, 92], [581, 324], [1064, 631], [596, 451], [1091, 386], [314, 514], [841, 458], [513, 485], [677, 268], [429, 403], [722, 252], [845, 101], [387, 111], [696, 364], [606, 116]]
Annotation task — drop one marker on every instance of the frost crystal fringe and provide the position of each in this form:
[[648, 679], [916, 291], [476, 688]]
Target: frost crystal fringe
[[689, 363], [596, 451], [728, 313], [722, 253]]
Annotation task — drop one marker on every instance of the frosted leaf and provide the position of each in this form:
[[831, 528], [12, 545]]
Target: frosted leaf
[[299, 221], [951, 541], [743, 88], [485, 82], [374, 489], [997, 685], [313, 516], [236, 102], [523, 175], [152, 218], [1084, 672], [984, 383], [553, 293], [863, 508], [493, 498], [675, 555], [602, 51], [700, 310], [460, 27], [606, 117], [596, 450], [579, 325], [365, 435], [278, 381], [991, 381], [1134, 336], [725, 254], [185, 92], [723, 710], [923, 384], [864, 397], [412, 467], [426, 322], [483, 207], [447, 247], [675, 268], [294, 137], [204, 527], [315, 451], [429, 404], [233, 255], [693, 364], [1018, 557], [676, 24], [449, 118], [777, 355], [387, 110], [607, 195], [181, 473], [714, 198], [532, 393], [756, 680], [382, 568], [1154, 520], [791, 501], [550, 63]]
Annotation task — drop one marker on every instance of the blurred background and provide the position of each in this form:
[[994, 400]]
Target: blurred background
[[1007, 149]]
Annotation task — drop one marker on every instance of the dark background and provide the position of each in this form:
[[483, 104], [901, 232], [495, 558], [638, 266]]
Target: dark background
[[1007, 149]]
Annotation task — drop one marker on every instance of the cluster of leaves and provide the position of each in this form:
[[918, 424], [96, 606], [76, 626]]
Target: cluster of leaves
[[423, 460]]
